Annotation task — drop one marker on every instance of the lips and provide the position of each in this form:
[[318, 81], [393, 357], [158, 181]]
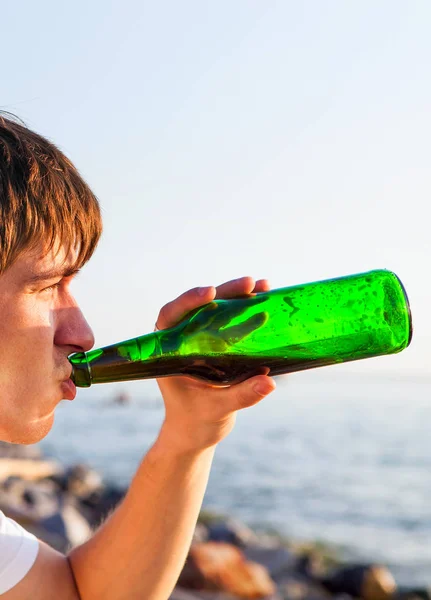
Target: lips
[[68, 389]]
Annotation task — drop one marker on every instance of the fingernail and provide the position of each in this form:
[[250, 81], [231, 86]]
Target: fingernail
[[260, 389], [202, 291]]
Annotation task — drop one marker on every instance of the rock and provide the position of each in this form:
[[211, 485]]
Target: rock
[[295, 590], [182, 594], [200, 534], [100, 503], [62, 530], [20, 451], [278, 560], [28, 469], [81, 480], [69, 526], [310, 564], [28, 502], [179, 594], [370, 582], [218, 566], [299, 589], [231, 531], [95, 500], [41, 510], [413, 594]]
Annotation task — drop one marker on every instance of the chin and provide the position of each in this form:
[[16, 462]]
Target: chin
[[31, 433]]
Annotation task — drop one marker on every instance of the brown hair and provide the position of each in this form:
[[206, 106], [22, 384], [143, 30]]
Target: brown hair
[[43, 199]]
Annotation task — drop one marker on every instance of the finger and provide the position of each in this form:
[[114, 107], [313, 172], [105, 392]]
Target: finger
[[236, 287], [176, 310], [249, 392], [262, 285]]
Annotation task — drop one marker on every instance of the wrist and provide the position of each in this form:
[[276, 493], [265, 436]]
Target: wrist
[[169, 460], [183, 440]]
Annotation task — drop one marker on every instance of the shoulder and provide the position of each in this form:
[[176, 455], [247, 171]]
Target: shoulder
[[18, 551], [30, 569]]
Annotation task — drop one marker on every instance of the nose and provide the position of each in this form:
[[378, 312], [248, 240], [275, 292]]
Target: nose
[[72, 330]]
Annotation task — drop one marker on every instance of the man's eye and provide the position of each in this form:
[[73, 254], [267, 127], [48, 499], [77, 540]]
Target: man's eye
[[52, 287]]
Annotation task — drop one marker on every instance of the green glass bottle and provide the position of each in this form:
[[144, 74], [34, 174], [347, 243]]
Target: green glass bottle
[[284, 330]]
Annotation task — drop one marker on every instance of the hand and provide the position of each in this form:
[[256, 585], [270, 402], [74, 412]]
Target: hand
[[199, 414]]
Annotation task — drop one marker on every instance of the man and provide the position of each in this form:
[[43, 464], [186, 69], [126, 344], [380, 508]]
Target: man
[[49, 227]]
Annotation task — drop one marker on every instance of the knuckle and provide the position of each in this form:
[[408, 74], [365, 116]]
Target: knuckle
[[245, 397], [165, 312]]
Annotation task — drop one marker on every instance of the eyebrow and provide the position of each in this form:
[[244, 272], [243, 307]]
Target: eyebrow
[[53, 274]]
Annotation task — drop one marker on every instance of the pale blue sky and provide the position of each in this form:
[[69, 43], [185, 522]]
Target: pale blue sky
[[279, 139]]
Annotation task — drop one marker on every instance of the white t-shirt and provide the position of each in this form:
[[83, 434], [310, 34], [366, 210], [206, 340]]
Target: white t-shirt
[[18, 551]]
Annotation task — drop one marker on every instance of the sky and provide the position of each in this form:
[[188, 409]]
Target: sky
[[280, 139]]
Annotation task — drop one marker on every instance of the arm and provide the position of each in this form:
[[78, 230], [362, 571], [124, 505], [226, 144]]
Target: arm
[[140, 550]]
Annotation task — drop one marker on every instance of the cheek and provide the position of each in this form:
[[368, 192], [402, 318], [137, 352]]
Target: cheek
[[26, 347], [28, 392], [26, 319]]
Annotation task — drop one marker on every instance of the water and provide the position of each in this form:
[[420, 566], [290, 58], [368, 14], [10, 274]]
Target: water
[[343, 459]]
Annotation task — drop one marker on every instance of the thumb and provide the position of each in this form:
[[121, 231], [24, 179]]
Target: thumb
[[250, 392]]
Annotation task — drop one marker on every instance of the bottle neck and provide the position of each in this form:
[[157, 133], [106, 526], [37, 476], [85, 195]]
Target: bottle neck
[[81, 371], [117, 362]]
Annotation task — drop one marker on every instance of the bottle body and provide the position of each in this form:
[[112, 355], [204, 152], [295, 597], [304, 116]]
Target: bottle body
[[281, 331]]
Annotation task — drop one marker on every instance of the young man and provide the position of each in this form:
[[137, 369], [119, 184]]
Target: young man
[[49, 226]]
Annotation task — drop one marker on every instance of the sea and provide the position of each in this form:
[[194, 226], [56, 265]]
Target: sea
[[342, 458]]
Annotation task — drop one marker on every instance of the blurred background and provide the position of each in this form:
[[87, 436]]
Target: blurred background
[[279, 139]]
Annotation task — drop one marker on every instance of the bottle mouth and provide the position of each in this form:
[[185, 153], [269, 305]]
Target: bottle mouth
[[81, 372]]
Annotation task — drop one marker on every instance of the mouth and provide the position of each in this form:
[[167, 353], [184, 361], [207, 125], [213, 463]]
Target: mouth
[[68, 389]]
